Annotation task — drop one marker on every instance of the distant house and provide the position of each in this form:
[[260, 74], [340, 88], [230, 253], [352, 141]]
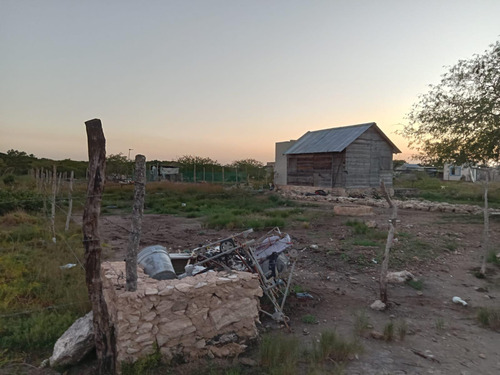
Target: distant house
[[412, 168], [356, 156], [452, 172]]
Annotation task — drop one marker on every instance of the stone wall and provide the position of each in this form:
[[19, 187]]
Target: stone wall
[[210, 314]]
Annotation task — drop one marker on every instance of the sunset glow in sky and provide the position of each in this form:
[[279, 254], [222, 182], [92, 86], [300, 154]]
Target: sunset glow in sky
[[224, 79]]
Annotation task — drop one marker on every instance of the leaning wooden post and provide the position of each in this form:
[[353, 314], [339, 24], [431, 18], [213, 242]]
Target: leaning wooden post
[[486, 225], [53, 204], [70, 200], [103, 330], [137, 211], [388, 244]]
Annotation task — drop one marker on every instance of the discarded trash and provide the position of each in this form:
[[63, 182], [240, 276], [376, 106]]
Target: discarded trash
[[264, 256], [314, 247], [67, 266], [156, 262], [459, 300], [183, 204], [304, 296]]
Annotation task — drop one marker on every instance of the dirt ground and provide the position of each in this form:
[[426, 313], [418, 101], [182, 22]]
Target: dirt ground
[[446, 334]]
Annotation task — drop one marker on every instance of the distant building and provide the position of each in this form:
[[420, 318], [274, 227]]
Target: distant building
[[412, 168], [356, 156], [452, 172]]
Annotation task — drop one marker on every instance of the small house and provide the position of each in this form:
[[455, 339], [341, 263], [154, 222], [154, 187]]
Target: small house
[[356, 156]]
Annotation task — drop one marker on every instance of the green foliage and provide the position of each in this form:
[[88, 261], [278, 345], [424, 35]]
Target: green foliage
[[220, 208], [416, 284], [457, 120], [493, 258], [34, 331], [38, 300], [144, 366], [9, 179], [359, 227], [309, 319], [19, 199]]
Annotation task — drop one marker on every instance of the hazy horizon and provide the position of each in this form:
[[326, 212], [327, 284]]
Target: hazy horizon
[[221, 79]]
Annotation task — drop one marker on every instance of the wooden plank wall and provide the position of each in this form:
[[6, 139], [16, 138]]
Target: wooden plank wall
[[368, 159], [310, 170]]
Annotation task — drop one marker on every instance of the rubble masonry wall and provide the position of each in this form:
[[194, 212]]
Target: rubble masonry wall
[[210, 314]]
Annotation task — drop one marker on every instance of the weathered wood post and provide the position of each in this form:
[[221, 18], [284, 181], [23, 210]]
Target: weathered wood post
[[70, 200], [388, 244], [103, 331], [137, 211], [486, 225], [53, 204]]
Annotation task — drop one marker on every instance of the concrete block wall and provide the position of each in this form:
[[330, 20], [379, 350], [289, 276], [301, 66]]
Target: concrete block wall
[[212, 314]]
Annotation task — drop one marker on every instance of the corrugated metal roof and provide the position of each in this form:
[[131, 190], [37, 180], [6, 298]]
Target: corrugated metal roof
[[332, 140]]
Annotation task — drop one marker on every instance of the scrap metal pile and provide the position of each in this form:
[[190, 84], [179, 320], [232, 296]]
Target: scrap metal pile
[[269, 256]]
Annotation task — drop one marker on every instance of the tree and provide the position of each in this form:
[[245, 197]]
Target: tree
[[458, 120], [117, 164]]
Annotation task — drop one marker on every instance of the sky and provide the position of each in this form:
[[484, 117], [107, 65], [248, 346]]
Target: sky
[[224, 79]]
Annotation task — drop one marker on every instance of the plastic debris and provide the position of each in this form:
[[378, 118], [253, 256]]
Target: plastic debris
[[67, 266], [459, 300], [304, 295]]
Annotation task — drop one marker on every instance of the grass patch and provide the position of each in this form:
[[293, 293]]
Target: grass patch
[[489, 317], [221, 208], [401, 329], [309, 319], [389, 331], [415, 284], [279, 354], [439, 324], [363, 242], [335, 348], [144, 365], [493, 258], [361, 323]]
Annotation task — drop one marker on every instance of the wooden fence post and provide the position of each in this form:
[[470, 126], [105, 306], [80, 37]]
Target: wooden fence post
[[137, 211], [103, 330], [53, 203], [388, 244], [70, 200]]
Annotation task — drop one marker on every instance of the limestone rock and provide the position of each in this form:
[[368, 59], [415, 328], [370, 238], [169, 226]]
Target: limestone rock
[[75, 343], [399, 277], [378, 305]]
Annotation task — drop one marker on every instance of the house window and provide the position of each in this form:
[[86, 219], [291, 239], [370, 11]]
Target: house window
[[455, 171]]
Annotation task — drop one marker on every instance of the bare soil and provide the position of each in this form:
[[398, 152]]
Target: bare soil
[[442, 337]]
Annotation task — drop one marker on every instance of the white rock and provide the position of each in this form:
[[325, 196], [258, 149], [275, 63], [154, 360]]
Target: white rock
[[75, 343], [378, 305]]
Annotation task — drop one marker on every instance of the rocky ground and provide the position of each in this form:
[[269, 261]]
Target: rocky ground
[[442, 337]]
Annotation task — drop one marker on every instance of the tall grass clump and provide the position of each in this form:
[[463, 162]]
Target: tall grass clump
[[335, 348], [279, 354], [361, 323], [489, 317]]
